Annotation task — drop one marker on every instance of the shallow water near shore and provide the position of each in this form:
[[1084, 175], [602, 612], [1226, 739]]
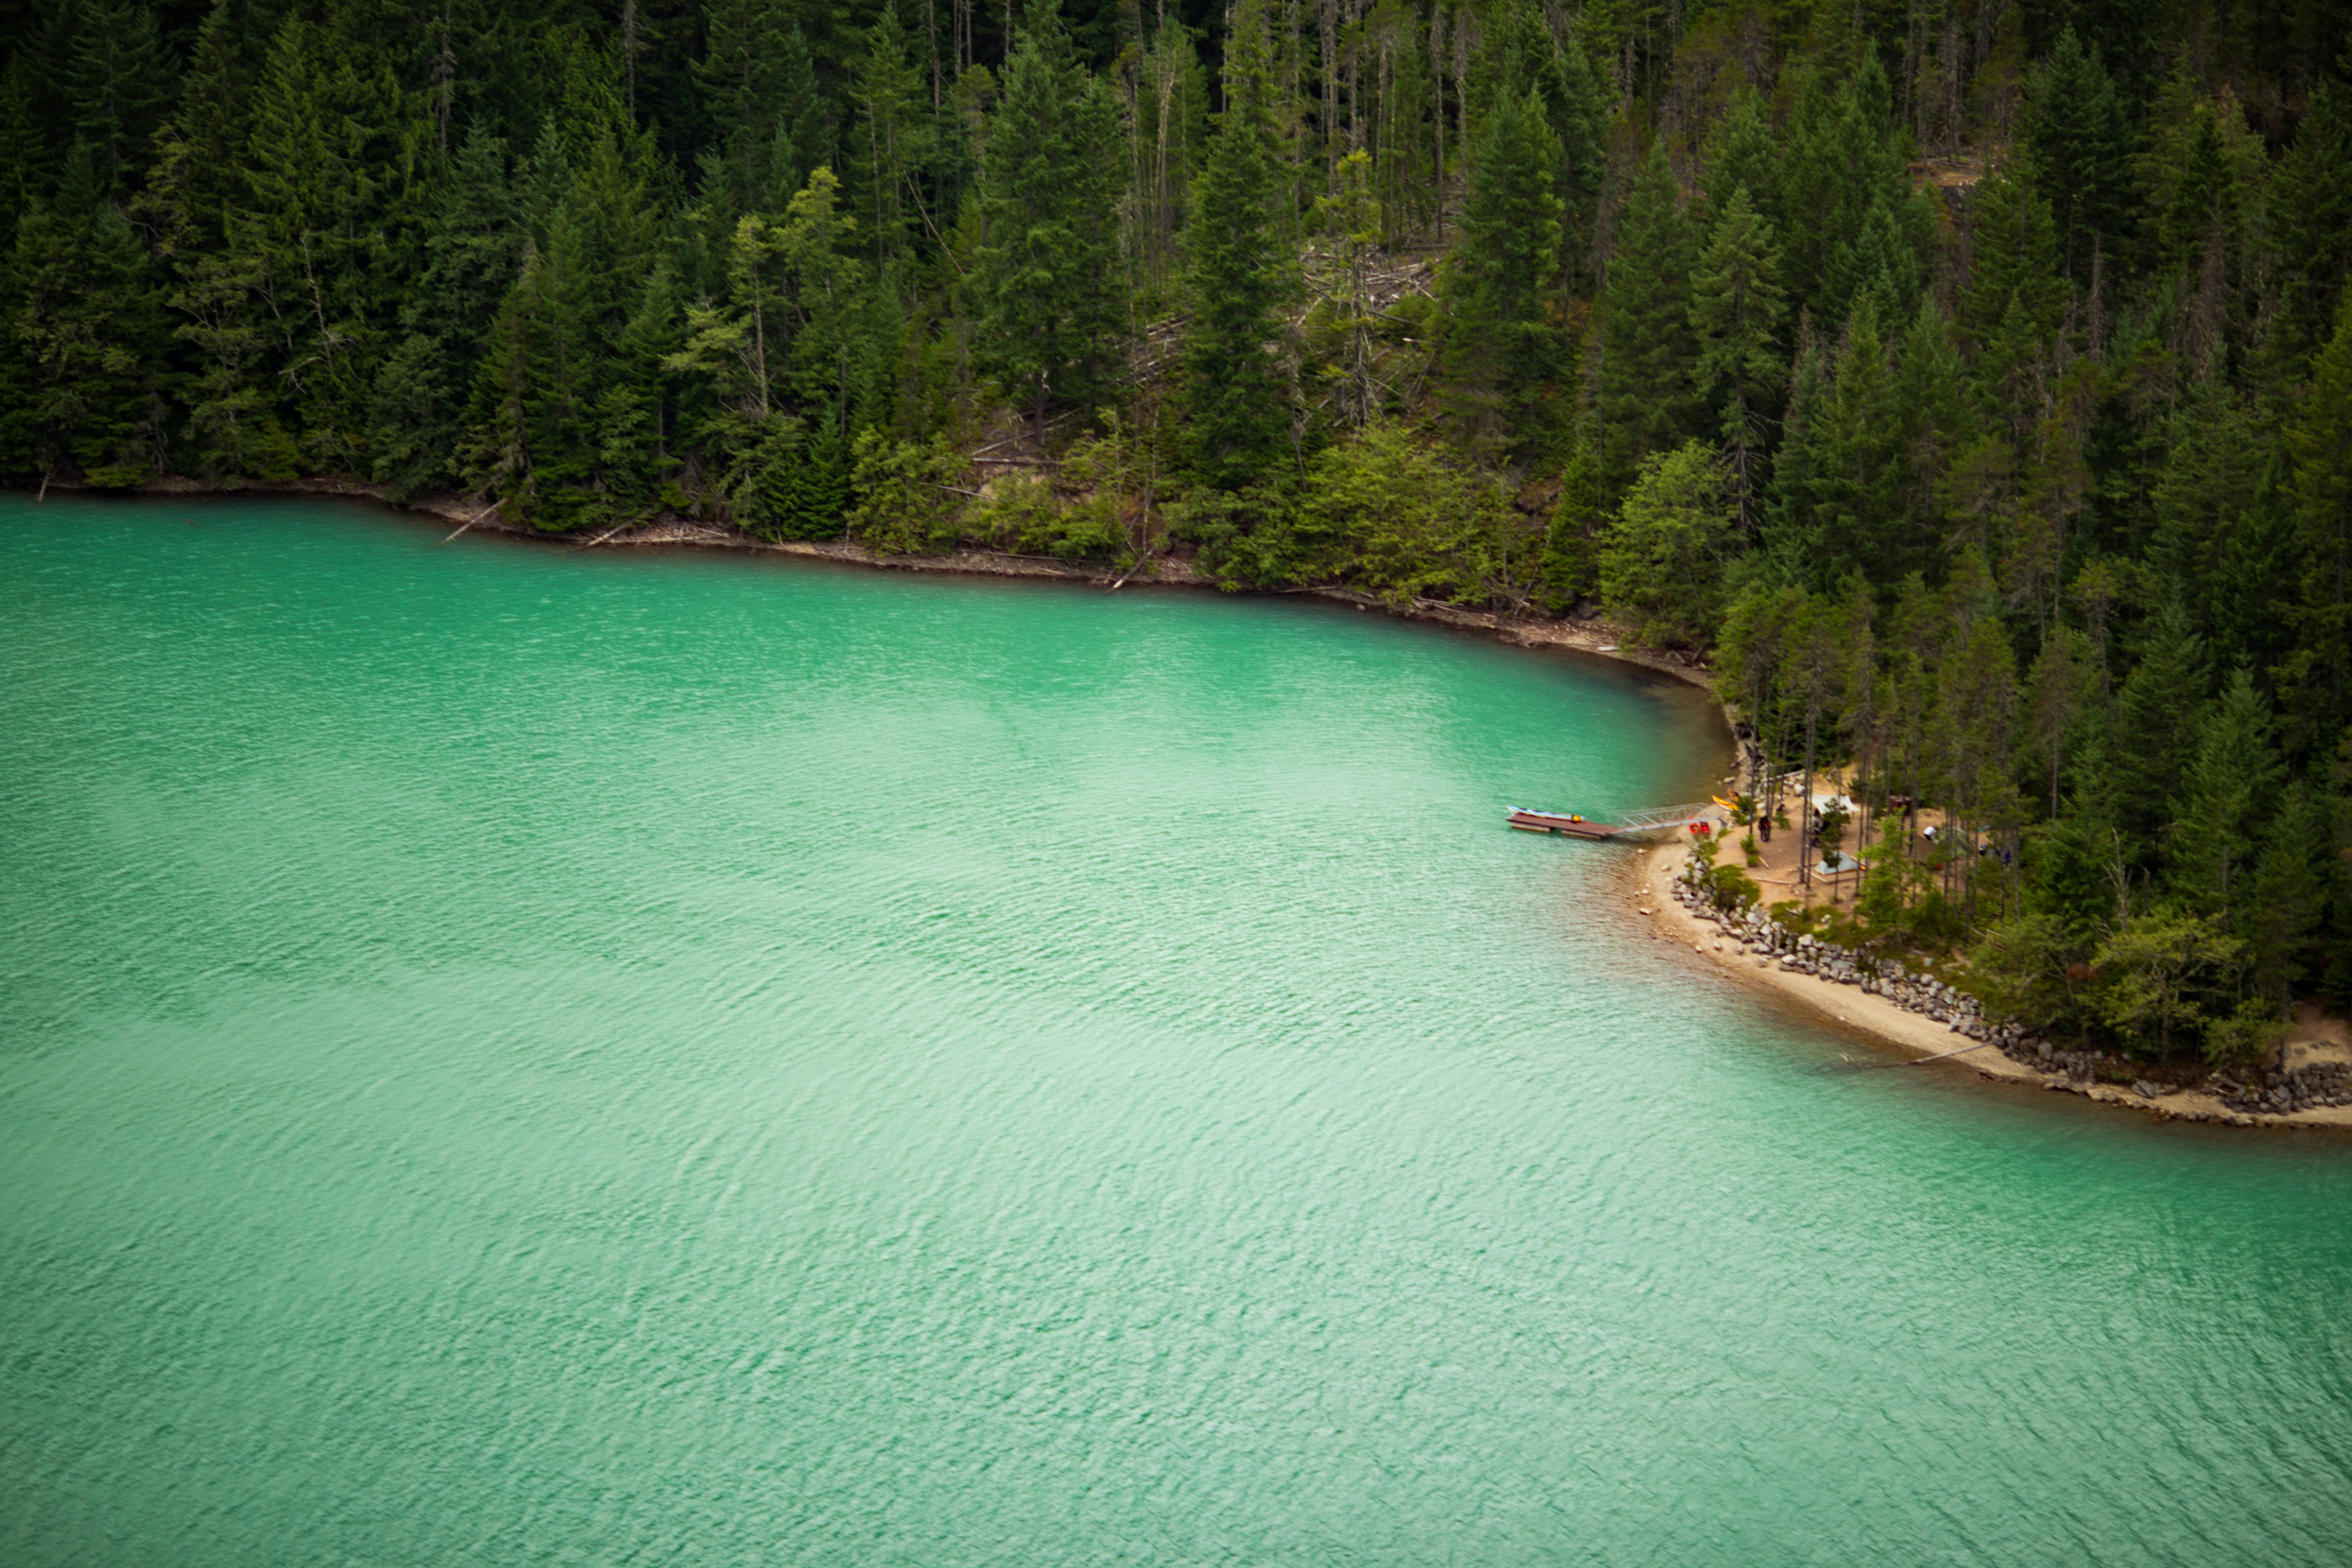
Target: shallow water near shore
[[512, 1054]]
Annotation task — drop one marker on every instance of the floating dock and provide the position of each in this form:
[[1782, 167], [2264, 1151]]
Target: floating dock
[[1554, 822], [1660, 819]]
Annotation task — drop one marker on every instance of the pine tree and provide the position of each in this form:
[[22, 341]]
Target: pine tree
[[2318, 673], [2281, 916], [473, 254], [769, 119], [1791, 544], [320, 230], [1743, 154], [1048, 276], [1736, 316], [1662, 561], [473, 250], [2154, 732], [2309, 212], [1572, 540], [1850, 471], [2200, 171], [87, 337], [119, 81], [2079, 150], [2229, 792], [1882, 259], [24, 152], [539, 389], [191, 195], [2015, 298], [892, 137], [2202, 493], [1344, 315], [1502, 347], [1242, 275], [1579, 107], [1646, 399], [2057, 690], [1938, 410], [1841, 161]]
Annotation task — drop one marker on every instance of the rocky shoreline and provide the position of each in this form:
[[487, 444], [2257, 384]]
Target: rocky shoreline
[[2314, 1093]]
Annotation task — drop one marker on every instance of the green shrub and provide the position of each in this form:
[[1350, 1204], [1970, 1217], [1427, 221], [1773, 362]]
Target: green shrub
[[907, 499]]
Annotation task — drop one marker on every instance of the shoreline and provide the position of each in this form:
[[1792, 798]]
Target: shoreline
[[1917, 1038], [1595, 637], [1650, 905]]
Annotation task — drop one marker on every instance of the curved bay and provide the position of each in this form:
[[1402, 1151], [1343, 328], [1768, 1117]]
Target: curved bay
[[512, 1054]]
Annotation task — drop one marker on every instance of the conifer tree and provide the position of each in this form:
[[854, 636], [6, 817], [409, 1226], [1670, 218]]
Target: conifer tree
[[119, 81], [2319, 442], [2200, 171], [1936, 404], [535, 404], [769, 119], [2281, 916], [189, 199], [86, 339], [2309, 211], [1791, 543], [1579, 107], [473, 252], [24, 151], [1662, 561], [1502, 347], [2154, 732], [2202, 493], [1572, 540], [2079, 149], [1853, 450], [1647, 400], [2229, 789], [2015, 297], [1841, 160], [892, 138], [1048, 275], [319, 226], [1735, 315], [1241, 276], [1350, 219], [742, 350], [1743, 154]]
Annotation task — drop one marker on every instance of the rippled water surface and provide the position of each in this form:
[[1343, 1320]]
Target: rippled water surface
[[521, 1055]]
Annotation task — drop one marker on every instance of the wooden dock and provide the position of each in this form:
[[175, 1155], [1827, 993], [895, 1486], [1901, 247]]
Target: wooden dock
[[1659, 819], [1553, 822]]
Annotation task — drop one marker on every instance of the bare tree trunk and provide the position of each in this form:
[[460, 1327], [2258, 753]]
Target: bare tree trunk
[[1437, 86], [1805, 803], [1327, 119], [629, 46]]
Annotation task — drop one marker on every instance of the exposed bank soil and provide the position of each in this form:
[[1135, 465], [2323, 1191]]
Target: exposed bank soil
[[2319, 1062]]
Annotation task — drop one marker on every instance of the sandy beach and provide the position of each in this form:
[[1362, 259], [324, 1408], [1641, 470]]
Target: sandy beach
[[1914, 1036]]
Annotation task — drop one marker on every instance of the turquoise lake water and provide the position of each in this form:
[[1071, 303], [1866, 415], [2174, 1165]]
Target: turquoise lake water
[[518, 1055]]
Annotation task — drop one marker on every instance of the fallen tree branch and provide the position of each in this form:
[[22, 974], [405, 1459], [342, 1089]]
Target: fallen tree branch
[[470, 521]]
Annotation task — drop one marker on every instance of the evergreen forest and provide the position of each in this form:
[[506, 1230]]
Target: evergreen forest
[[1969, 383]]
